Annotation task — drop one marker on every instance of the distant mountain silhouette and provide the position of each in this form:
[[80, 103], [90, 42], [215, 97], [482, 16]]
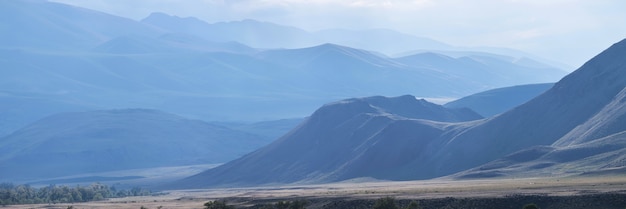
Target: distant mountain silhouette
[[271, 36], [99, 141], [381, 40], [63, 58], [578, 122], [474, 67], [250, 32], [48, 25], [374, 136], [496, 101]]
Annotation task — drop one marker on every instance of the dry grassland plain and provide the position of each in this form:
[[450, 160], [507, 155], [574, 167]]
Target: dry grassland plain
[[401, 190]]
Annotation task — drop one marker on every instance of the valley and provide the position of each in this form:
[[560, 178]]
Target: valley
[[253, 112]]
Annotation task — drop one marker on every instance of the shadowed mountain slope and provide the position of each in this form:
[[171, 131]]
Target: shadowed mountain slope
[[98, 141], [496, 101], [355, 139], [544, 120], [343, 140], [597, 144]]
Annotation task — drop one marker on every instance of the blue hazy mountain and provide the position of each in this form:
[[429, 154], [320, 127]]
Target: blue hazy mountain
[[98, 141], [54, 26], [249, 32], [92, 60], [268, 35], [479, 68], [578, 122], [496, 101], [59, 58], [272, 36], [381, 40], [416, 73]]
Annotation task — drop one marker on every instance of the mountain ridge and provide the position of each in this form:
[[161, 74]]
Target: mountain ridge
[[420, 150], [333, 130]]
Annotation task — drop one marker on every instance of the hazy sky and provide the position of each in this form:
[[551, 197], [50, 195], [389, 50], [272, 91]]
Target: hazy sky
[[569, 31]]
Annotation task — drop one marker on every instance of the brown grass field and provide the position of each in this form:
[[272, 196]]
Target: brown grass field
[[321, 195]]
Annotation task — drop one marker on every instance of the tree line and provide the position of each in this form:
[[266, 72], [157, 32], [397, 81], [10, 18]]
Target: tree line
[[11, 194]]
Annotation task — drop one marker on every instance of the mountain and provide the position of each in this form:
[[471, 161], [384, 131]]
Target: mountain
[[578, 121], [98, 141], [273, 36], [498, 70], [593, 97], [343, 140], [496, 101], [249, 32], [48, 25], [385, 41], [363, 73], [542, 121], [93, 60], [132, 72]]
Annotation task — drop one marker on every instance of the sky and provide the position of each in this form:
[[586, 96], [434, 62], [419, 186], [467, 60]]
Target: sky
[[566, 31]]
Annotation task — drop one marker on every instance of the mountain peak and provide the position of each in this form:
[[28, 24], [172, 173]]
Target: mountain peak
[[164, 16], [337, 142], [174, 23]]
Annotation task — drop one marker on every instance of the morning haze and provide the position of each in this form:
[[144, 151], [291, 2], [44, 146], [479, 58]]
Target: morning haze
[[312, 104]]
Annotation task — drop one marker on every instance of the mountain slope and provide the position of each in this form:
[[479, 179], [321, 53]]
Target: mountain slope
[[542, 121], [342, 140], [496, 101], [596, 145], [359, 141], [98, 141]]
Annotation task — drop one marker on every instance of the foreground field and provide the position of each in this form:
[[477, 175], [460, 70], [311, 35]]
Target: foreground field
[[580, 192]]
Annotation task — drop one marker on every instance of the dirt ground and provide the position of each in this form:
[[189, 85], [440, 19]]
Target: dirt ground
[[349, 191]]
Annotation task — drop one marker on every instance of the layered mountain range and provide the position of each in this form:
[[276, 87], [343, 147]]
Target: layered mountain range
[[574, 128], [61, 65], [99, 142], [58, 58]]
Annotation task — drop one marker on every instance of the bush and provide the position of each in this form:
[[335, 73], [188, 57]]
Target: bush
[[297, 204], [217, 205], [531, 206], [413, 205], [24, 194], [385, 203]]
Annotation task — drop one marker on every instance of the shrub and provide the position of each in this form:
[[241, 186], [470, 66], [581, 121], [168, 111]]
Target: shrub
[[530, 206], [413, 205], [385, 203], [217, 205]]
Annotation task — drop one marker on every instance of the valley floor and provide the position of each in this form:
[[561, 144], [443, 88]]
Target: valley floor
[[578, 192]]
